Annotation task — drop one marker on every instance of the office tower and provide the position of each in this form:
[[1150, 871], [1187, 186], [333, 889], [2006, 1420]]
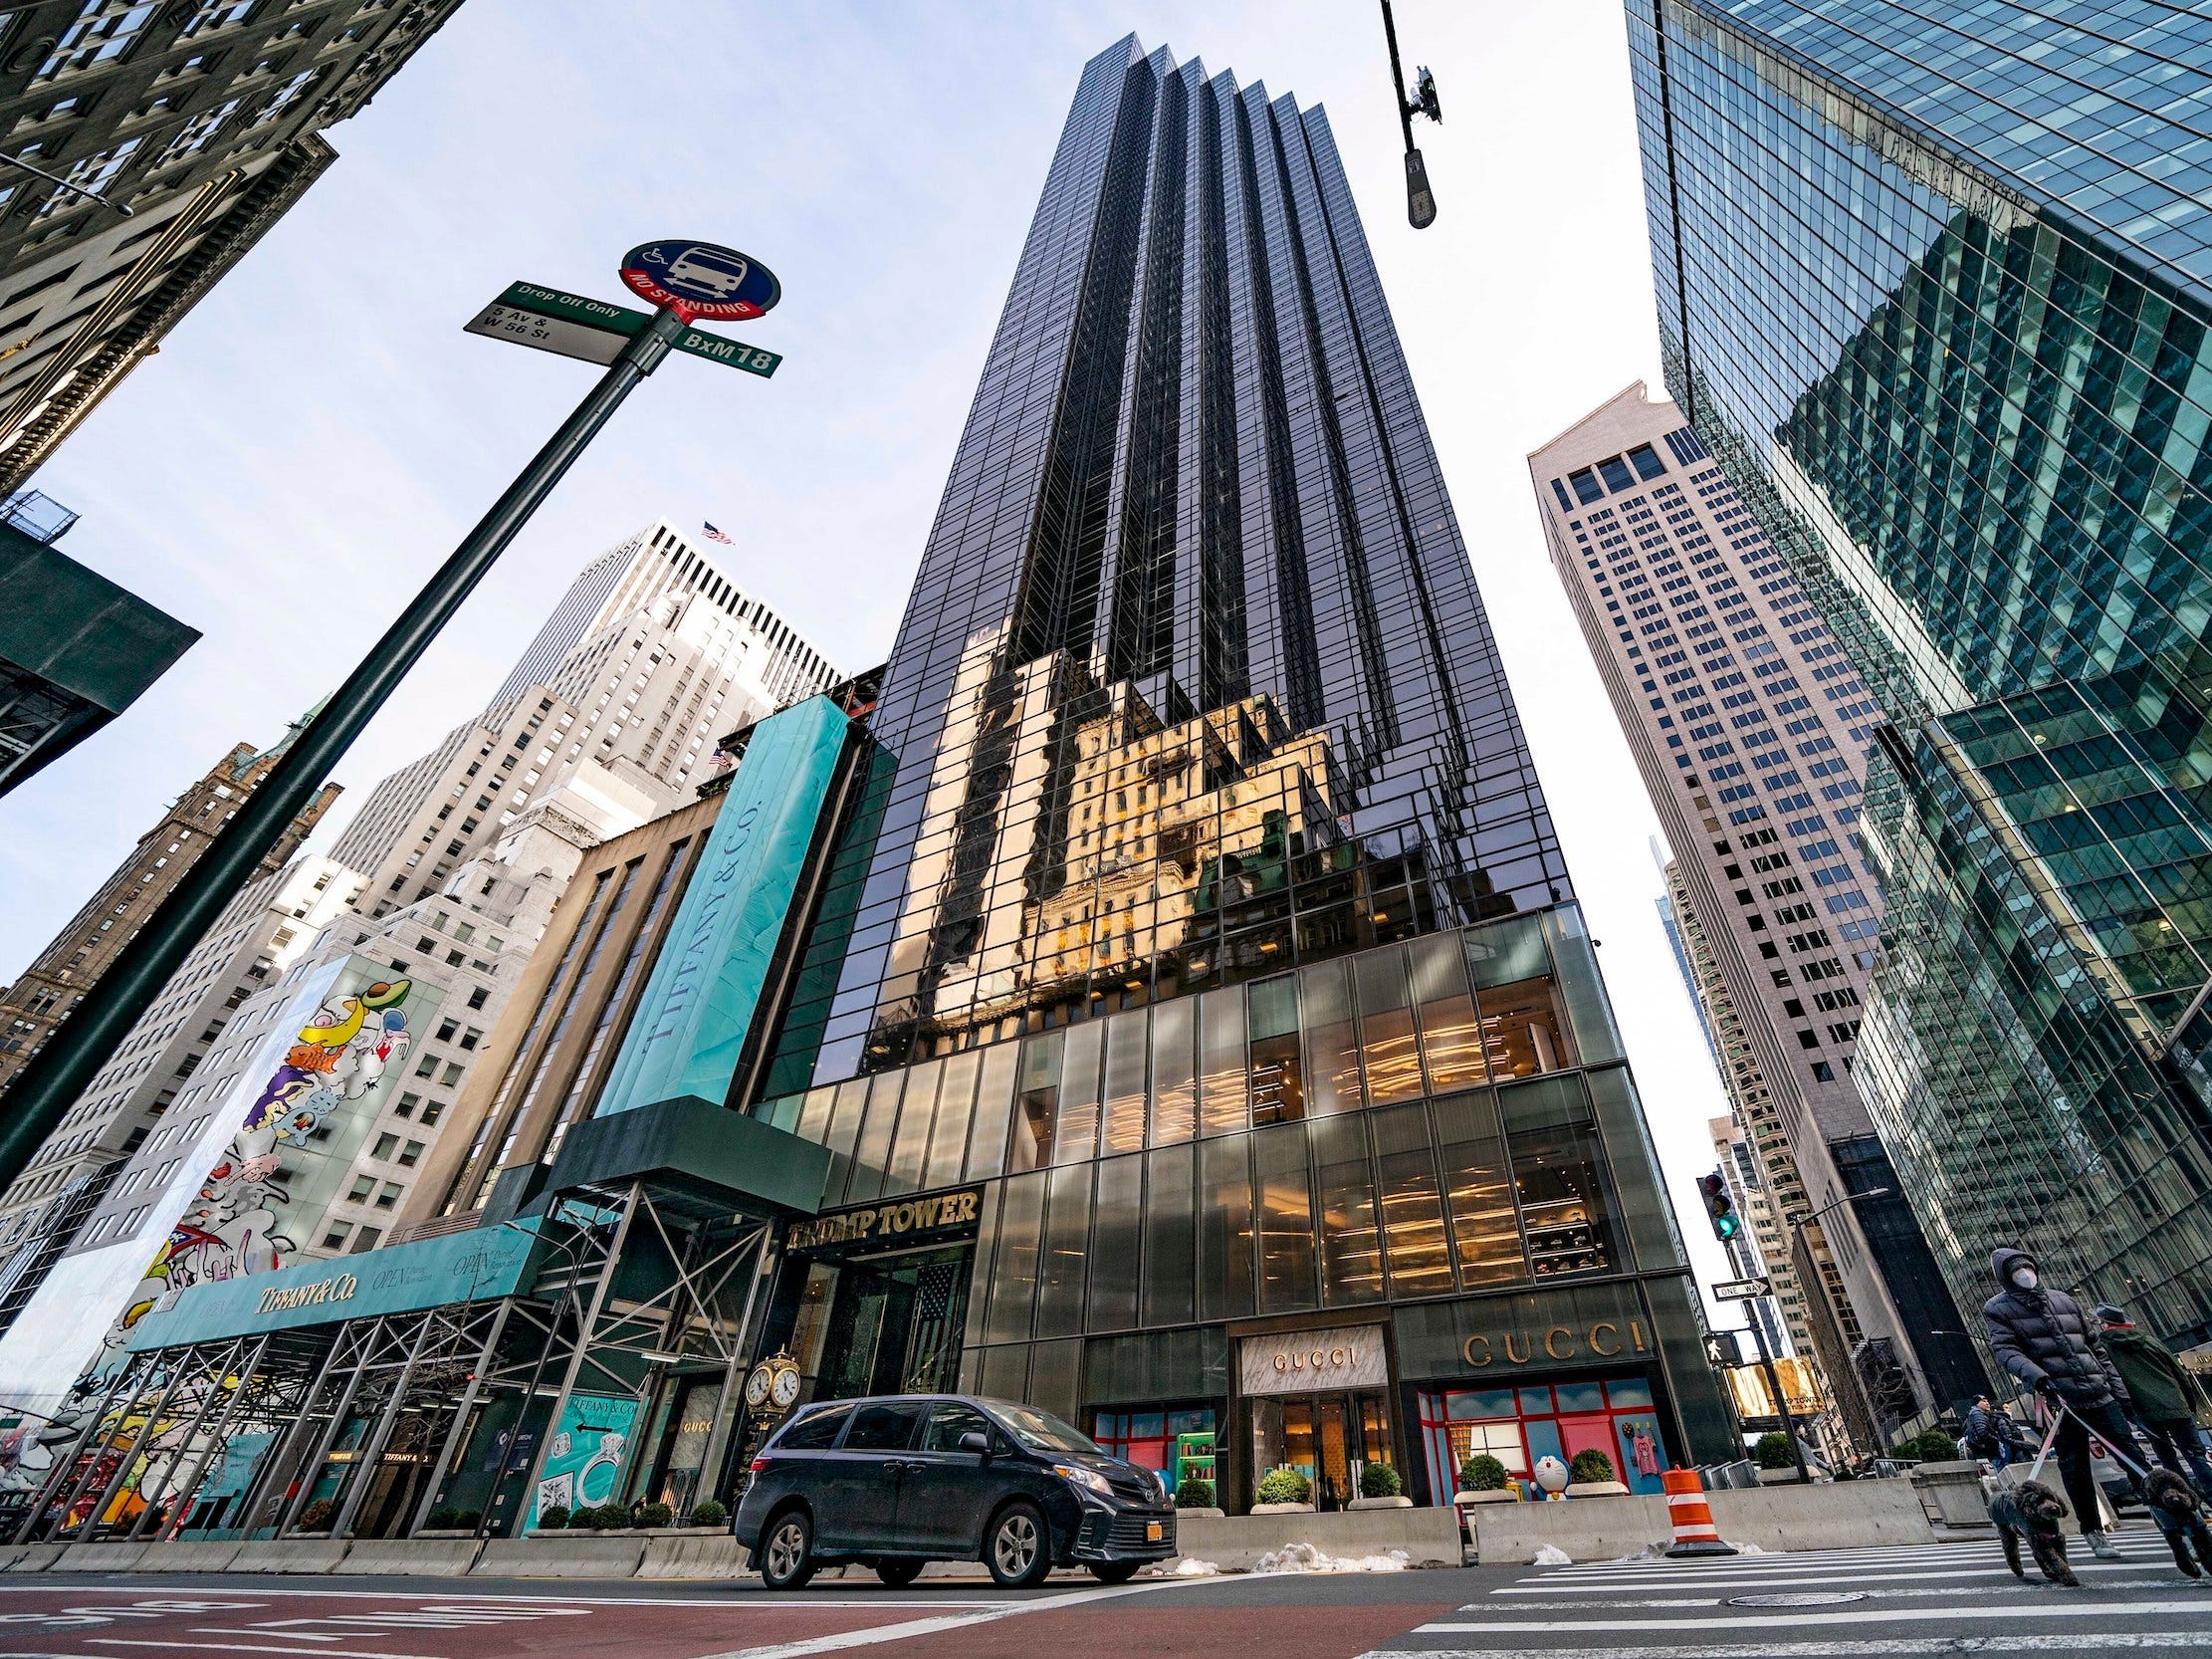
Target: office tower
[[1775, 1175], [76, 651], [1934, 291], [415, 929], [651, 654], [1205, 777], [1166, 1005], [260, 936], [1749, 728], [58, 978], [204, 119]]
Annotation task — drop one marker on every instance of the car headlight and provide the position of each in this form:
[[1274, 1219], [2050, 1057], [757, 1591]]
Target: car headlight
[[1089, 1478]]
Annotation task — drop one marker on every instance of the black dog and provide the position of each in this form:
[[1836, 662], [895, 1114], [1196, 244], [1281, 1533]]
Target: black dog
[[2175, 1507], [2032, 1512]]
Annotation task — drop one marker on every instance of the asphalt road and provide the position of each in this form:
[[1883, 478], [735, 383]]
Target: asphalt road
[[1931, 1599]]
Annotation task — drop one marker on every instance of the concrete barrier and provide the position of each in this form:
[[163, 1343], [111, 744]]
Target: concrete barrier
[[580, 1556], [99, 1557], [189, 1555], [698, 1556], [1587, 1529], [1429, 1537], [288, 1556], [32, 1557], [1846, 1514], [413, 1557]]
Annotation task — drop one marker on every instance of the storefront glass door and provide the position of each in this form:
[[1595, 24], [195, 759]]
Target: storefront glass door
[[1327, 1438], [884, 1324]]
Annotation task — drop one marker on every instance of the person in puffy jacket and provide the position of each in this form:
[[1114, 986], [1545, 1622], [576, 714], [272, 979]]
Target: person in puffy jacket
[[1989, 1433], [2167, 1399], [2043, 1338]]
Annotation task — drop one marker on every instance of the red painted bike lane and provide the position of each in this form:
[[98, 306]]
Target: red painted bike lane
[[137, 1623]]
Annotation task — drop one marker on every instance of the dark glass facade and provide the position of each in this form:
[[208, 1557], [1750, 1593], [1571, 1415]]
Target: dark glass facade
[[1194, 682], [1933, 287], [1218, 1056]]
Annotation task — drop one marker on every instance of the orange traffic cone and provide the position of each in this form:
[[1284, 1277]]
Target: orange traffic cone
[[1694, 1531]]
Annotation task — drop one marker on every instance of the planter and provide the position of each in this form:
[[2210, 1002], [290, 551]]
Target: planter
[[1200, 1515], [1504, 1495], [1400, 1501], [1778, 1477], [1282, 1509], [1597, 1489]]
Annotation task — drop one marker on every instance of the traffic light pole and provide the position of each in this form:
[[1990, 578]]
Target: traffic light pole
[[1781, 1401], [43, 1091]]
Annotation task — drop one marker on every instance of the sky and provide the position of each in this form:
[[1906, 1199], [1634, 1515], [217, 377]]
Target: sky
[[311, 442]]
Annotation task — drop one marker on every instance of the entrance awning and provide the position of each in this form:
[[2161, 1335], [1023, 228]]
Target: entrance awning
[[698, 1158]]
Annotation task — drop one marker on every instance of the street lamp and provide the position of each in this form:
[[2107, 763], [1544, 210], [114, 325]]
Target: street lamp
[[1799, 1220], [1421, 206]]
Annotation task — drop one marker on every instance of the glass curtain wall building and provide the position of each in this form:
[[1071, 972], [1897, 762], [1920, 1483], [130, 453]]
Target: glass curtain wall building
[[1935, 289], [1214, 975]]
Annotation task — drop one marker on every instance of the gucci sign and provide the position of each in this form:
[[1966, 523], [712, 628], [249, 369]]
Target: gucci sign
[[1308, 1361], [1603, 1341]]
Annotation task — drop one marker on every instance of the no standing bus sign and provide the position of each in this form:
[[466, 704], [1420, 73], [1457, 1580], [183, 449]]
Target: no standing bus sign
[[701, 279]]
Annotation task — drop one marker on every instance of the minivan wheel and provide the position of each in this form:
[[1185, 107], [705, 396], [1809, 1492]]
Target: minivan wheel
[[1017, 1549], [787, 1553], [898, 1571], [1115, 1572]]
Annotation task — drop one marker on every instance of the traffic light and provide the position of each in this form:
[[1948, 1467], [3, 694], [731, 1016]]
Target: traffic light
[[1720, 1208]]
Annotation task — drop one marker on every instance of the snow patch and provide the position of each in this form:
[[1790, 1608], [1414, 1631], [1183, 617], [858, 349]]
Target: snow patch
[[1552, 1555], [1304, 1558], [1187, 1566]]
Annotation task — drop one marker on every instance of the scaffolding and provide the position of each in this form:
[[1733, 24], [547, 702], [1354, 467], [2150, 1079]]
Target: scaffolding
[[367, 1427]]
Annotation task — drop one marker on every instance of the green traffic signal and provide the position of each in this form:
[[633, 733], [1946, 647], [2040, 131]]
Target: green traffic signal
[[1721, 1208]]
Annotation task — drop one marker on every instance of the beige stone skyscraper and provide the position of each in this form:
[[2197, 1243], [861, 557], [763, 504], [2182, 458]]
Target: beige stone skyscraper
[[1749, 728]]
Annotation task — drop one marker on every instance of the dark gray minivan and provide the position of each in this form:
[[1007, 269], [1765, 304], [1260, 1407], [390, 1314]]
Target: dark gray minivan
[[899, 1481]]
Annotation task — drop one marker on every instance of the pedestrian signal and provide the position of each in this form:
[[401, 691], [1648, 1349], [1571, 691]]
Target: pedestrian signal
[[1720, 1208]]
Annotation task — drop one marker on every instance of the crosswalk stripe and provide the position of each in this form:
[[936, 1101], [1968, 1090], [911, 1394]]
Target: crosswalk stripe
[[1904, 1647], [1828, 1578], [1794, 1616], [2031, 1588], [1795, 1559]]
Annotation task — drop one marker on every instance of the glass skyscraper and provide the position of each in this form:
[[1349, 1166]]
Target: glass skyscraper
[[1206, 916], [1156, 995], [1935, 287]]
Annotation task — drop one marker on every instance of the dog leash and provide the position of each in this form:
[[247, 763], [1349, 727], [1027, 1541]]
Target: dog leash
[[2119, 1456], [2043, 1452]]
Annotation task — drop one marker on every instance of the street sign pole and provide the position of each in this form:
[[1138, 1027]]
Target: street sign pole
[[43, 1091], [1781, 1401]]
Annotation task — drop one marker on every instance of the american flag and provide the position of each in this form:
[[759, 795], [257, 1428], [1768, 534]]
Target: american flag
[[713, 535]]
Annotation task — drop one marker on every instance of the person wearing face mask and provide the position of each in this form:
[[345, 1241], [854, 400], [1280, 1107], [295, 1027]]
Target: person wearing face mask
[[2042, 1337]]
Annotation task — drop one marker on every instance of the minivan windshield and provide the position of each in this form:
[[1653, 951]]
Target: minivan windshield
[[1040, 1431]]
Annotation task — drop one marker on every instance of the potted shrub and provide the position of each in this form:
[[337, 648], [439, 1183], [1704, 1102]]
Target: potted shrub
[[1777, 1462], [709, 1514], [1592, 1476], [553, 1518], [655, 1515], [1932, 1446], [1194, 1496], [316, 1517], [1380, 1489], [1285, 1492], [1482, 1481]]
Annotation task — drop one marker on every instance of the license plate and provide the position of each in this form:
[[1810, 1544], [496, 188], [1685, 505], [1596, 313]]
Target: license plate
[[1152, 1532]]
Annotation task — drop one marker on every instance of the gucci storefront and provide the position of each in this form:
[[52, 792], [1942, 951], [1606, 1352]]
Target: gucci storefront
[[1396, 1208]]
